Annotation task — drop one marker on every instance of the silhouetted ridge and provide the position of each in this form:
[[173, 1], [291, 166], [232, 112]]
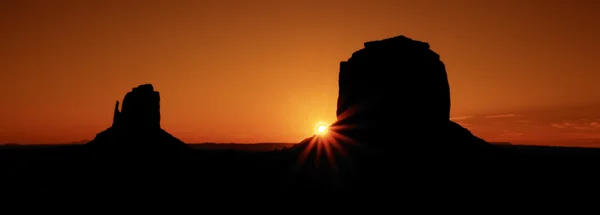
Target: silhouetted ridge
[[137, 125]]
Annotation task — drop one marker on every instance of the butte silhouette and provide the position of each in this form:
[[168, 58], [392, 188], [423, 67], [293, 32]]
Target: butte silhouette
[[136, 128], [393, 124], [394, 99]]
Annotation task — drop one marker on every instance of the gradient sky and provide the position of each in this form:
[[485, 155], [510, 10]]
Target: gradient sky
[[523, 71]]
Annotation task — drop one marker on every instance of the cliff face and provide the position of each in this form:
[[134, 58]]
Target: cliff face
[[141, 108], [137, 125], [395, 79]]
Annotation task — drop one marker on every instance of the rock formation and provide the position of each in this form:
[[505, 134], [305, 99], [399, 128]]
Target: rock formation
[[393, 126], [395, 78], [137, 126], [394, 94]]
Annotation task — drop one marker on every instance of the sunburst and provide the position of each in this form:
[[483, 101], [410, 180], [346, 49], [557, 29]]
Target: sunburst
[[330, 140]]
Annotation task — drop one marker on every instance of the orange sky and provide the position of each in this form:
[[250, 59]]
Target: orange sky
[[266, 71]]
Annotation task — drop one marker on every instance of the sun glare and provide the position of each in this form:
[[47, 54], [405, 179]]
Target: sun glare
[[321, 128]]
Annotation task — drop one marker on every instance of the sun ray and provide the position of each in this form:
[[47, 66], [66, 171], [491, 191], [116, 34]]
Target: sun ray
[[307, 150], [343, 127], [349, 112], [319, 150], [343, 138], [336, 145], [327, 145]]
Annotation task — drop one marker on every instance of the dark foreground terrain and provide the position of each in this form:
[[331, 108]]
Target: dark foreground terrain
[[35, 152], [290, 171], [252, 147]]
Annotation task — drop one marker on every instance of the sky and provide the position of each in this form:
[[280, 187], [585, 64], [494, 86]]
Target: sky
[[524, 71]]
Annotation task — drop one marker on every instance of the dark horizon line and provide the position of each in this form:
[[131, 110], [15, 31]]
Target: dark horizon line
[[195, 143], [498, 143]]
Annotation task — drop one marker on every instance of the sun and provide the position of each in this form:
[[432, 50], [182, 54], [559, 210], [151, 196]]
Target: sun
[[321, 128]]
